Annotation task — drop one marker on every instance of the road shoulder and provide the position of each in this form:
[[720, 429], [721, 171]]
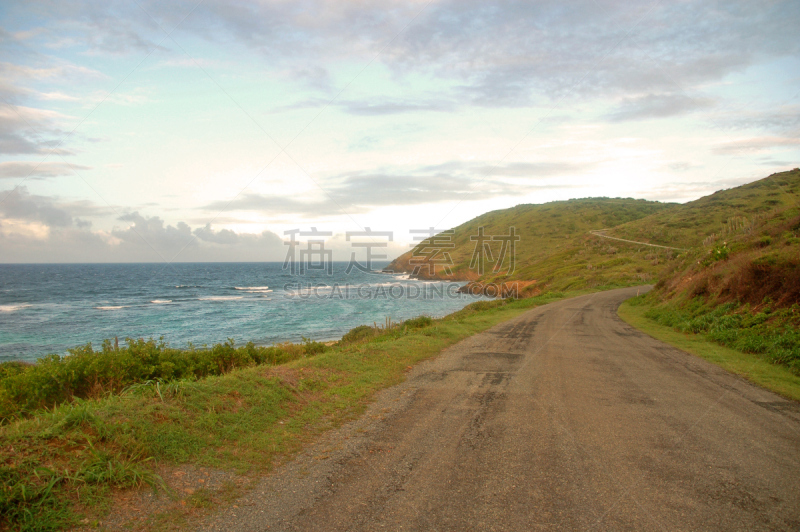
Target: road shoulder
[[756, 370]]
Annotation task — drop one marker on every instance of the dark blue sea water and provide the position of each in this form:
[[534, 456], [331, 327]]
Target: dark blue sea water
[[48, 308]]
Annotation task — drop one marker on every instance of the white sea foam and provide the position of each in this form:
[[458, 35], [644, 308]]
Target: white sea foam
[[315, 290], [253, 288], [375, 285], [13, 308], [220, 298], [161, 301], [111, 308]]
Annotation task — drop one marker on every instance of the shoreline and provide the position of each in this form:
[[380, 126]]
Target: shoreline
[[328, 340]]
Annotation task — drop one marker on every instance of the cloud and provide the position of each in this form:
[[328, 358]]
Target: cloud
[[223, 236], [509, 53], [170, 241], [382, 189], [274, 205], [784, 119], [757, 144], [19, 204], [357, 192], [26, 169], [658, 106], [39, 231], [23, 130], [152, 232], [533, 170], [687, 191], [679, 166], [387, 107]]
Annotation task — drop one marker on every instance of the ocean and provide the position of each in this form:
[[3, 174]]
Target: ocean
[[49, 308]]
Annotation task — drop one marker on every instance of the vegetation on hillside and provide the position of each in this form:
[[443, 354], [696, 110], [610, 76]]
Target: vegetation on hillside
[[735, 278], [555, 247], [713, 218], [739, 286]]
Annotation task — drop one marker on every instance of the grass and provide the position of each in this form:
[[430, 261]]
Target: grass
[[752, 367], [557, 250], [86, 373], [59, 466], [555, 247], [717, 216]]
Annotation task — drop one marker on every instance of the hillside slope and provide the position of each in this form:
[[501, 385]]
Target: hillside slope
[[722, 213], [751, 257], [554, 247], [739, 286], [557, 249]]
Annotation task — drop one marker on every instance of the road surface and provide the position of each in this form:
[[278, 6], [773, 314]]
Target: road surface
[[565, 418]]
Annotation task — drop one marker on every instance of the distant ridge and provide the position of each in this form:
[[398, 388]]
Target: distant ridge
[[561, 247]]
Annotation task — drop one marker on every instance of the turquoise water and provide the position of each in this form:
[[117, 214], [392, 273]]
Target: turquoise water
[[51, 308]]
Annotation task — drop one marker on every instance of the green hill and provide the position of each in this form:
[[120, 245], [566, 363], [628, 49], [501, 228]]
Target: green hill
[[555, 247], [723, 212], [560, 247]]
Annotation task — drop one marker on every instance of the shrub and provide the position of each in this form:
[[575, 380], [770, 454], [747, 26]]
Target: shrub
[[766, 333], [311, 347], [85, 373], [419, 322], [358, 333]]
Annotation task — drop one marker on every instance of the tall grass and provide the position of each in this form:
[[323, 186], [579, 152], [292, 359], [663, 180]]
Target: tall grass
[[85, 373]]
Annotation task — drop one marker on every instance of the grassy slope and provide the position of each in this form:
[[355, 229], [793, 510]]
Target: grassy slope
[[722, 213], [555, 247], [773, 377], [61, 466], [735, 297]]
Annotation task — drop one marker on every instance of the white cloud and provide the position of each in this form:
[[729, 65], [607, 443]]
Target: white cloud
[[755, 145], [37, 169]]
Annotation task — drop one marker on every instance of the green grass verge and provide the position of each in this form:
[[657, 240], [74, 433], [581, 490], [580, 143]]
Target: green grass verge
[[60, 466], [778, 379]]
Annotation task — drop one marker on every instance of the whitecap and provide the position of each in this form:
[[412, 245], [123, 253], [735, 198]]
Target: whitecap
[[252, 288], [111, 308], [385, 284], [161, 301], [13, 308], [220, 298]]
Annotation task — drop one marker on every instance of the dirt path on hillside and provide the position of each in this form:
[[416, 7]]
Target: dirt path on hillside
[[565, 418], [602, 234]]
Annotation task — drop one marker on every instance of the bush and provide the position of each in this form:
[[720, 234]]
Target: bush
[[769, 334], [419, 322], [358, 333], [85, 373]]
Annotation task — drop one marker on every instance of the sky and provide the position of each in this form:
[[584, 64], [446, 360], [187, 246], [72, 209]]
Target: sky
[[203, 130]]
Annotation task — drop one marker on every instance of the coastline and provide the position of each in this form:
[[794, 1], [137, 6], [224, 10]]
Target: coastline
[[209, 304]]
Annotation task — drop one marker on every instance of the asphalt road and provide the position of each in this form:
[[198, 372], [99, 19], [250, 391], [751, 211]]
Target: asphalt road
[[565, 418]]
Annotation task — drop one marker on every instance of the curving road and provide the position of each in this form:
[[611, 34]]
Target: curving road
[[565, 418]]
